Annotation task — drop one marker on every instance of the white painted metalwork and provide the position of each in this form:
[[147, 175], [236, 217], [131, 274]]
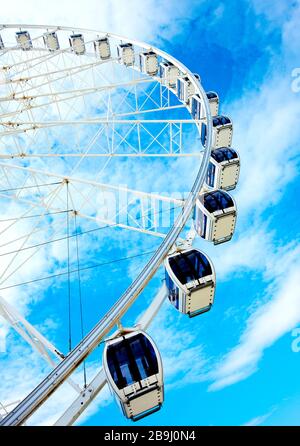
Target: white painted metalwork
[[33, 337], [48, 90]]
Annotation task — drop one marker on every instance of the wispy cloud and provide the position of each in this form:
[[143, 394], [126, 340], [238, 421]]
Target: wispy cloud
[[147, 20], [267, 135], [268, 323], [259, 420]]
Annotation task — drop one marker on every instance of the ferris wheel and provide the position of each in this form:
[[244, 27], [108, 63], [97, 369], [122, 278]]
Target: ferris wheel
[[92, 126]]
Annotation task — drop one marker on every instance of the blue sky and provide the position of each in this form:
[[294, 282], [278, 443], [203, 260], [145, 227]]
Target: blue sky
[[235, 364]]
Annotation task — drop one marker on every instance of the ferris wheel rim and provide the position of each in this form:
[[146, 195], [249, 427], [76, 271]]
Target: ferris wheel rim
[[151, 267]]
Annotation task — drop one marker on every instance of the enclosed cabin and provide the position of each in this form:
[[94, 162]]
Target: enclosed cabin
[[195, 103], [102, 48], [126, 54], [215, 216], [223, 169], [133, 368], [77, 44], [169, 75], [213, 100], [24, 40], [196, 108], [185, 89], [1, 43], [149, 63], [222, 132], [51, 41], [197, 76], [190, 281]]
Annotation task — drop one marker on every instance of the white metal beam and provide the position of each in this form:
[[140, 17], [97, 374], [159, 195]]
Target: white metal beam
[[33, 337]]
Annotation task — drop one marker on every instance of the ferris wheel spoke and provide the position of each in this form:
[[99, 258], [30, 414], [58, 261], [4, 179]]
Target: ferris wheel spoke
[[33, 337], [50, 81], [115, 143], [68, 74], [37, 60], [16, 127], [68, 71], [26, 101], [152, 110], [137, 213], [29, 257], [14, 97], [42, 58], [3, 278], [141, 154]]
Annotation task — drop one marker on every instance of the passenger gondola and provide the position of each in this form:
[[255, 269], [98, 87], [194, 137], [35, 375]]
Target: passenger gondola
[[185, 89], [213, 100], [24, 40], [215, 216], [102, 48], [169, 74], [222, 132], [195, 103], [149, 63], [126, 54], [77, 44], [51, 41], [133, 368], [223, 169], [190, 280]]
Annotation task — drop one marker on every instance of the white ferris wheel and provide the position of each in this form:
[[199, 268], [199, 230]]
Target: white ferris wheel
[[92, 125]]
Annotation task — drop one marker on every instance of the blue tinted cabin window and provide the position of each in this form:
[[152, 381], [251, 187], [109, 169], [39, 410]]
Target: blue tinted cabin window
[[189, 266], [179, 89], [210, 177], [204, 225], [211, 95], [221, 120], [131, 360], [196, 108], [217, 200], [144, 361], [223, 154], [203, 133], [173, 291], [200, 221]]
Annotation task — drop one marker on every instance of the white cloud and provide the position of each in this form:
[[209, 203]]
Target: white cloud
[[147, 20], [259, 420], [267, 323], [181, 361], [232, 259], [267, 136]]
